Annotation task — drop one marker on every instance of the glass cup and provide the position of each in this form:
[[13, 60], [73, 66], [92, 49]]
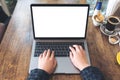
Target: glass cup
[[92, 5]]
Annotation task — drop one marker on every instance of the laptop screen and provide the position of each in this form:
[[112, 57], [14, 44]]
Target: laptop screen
[[59, 21]]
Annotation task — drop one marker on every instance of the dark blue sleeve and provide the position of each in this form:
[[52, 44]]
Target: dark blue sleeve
[[91, 73], [38, 74]]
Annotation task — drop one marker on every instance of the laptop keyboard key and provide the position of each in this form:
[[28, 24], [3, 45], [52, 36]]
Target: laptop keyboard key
[[60, 48]]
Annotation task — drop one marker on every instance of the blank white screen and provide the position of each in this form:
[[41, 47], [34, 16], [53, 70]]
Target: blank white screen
[[59, 21]]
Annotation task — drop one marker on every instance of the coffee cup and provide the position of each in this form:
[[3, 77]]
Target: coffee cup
[[97, 19], [111, 23]]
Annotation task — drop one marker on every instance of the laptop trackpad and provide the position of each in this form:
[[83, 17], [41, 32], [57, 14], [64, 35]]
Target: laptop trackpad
[[64, 65]]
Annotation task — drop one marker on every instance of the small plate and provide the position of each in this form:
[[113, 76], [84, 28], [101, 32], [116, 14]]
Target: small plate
[[102, 29], [116, 38]]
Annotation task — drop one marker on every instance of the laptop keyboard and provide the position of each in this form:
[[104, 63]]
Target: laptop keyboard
[[60, 48]]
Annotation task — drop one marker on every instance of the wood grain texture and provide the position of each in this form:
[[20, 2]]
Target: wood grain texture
[[15, 48], [102, 54]]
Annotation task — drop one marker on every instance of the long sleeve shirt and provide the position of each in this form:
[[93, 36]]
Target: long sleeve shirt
[[89, 73]]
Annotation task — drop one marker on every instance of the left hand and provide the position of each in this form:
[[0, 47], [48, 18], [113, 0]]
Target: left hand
[[47, 61]]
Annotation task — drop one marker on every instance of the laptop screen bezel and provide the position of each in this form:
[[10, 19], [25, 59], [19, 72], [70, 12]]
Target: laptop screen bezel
[[32, 5]]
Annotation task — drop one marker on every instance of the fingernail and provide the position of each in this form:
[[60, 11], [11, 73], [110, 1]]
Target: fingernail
[[44, 50], [53, 51], [69, 46], [80, 47]]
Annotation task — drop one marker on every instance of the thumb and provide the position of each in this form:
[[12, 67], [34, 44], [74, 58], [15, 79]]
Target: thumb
[[55, 63]]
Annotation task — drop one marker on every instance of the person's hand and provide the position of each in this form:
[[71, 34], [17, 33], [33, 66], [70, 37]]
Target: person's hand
[[47, 61], [78, 57]]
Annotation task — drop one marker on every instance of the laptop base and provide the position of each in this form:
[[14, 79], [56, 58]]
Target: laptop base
[[64, 64]]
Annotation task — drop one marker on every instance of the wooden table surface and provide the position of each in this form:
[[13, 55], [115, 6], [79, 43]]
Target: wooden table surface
[[15, 49]]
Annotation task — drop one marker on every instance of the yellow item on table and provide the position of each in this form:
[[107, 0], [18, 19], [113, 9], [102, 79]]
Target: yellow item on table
[[118, 58]]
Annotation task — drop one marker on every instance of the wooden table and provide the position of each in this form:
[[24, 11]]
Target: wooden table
[[15, 49]]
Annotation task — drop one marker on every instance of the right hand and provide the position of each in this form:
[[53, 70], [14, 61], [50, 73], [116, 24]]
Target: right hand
[[78, 57]]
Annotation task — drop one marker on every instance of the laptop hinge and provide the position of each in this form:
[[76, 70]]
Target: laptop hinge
[[80, 40]]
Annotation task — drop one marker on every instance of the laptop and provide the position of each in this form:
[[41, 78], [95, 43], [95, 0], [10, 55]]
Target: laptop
[[56, 27]]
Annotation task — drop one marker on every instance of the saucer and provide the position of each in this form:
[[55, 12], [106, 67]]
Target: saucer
[[102, 29]]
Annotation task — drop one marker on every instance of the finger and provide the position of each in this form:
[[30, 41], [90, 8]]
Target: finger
[[48, 53], [44, 53], [55, 63], [84, 53], [72, 49], [52, 54], [71, 55], [81, 49], [41, 55], [76, 47]]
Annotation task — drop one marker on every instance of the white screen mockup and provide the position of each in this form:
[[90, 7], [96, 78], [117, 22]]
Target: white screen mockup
[[59, 21]]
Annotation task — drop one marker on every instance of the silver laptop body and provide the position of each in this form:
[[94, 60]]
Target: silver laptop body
[[55, 23]]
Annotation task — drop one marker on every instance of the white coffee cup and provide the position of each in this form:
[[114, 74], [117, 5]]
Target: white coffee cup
[[95, 22]]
